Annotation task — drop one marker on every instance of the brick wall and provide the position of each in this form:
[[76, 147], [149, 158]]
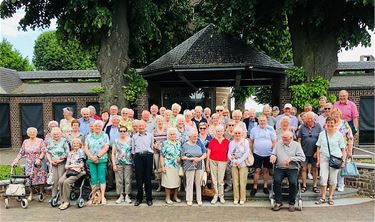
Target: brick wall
[[142, 104], [365, 183], [15, 117]]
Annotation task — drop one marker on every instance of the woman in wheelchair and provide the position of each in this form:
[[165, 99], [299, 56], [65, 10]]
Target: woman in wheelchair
[[74, 170]]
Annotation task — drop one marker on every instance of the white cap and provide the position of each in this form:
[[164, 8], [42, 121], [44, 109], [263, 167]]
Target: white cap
[[288, 105]]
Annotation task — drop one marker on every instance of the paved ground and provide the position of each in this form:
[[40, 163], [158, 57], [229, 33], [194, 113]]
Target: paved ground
[[43, 212]]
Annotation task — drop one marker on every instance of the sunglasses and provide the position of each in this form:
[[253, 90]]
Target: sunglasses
[[202, 128], [327, 108], [219, 110], [122, 131], [237, 133], [230, 124]]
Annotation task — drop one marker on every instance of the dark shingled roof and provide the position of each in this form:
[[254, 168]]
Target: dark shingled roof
[[60, 74], [56, 88], [352, 82], [9, 80], [354, 66], [208, 49]]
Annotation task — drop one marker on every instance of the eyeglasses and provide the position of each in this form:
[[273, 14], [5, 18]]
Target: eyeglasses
[[230, 124], [122, 131], [219, 110], [202, 128]]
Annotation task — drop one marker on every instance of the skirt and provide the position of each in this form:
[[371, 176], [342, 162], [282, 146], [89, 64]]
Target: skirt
[[170, 178]]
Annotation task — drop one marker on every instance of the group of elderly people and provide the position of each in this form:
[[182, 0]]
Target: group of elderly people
[[179, 149]]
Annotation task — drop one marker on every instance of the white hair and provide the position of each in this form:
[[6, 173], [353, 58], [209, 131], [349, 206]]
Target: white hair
[[171, 130], [311, 114], [68, 109], [266, 107], [188, 112], [28, 131], [168, 111], [238, 129], [76, 140], [135, 122], [176, 105], [98, 122], [52, 122], [191, 132], [85, 110], [124, 110], [159, 117], [92, 108], [131, 111], [55, 130], [236, 112], [198, 108], [219, 127], [207, 109], [180, 117], [215, 115], [285, 118], [116, 117]]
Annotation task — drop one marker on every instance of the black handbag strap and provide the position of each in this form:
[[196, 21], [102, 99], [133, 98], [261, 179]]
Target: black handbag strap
[[329, 149]]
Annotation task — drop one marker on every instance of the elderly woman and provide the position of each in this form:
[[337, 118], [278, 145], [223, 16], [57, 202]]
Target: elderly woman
[[135, 125], [96, 147], [284, 127], [237, 155], [74, 170], [229, 132], [189, 123], [207, 114], [192, 156], [214, 123], [51, 124], [34, 150], [330, 143], [160, 135], [237, 115], [57, 152], [203, 136], [65, 123], [75, 133], [344, 128], [170, 163], [122, 164], [162, 111], [176, 109], [125, 120], [167, 118], [93, 113], [217, 162], [181, 129]]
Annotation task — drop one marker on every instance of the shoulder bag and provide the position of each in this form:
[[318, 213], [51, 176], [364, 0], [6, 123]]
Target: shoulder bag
[[334, 162]]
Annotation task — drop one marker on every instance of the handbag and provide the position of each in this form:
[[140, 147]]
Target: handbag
[[181, 171], [70, 173], [250, 159], [350, 169], [208, 192], [50, 180], [334, 162]]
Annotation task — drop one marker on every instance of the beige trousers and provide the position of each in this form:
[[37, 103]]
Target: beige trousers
[[239, 176], [217, 174], [57, 172], [193, 176], [65, 185]]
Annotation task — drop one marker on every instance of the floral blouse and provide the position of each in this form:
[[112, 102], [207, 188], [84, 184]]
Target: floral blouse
[[57, 149], [182, 136], [123, 155], [171, 152], [346, 131], [96, 143], [75, 158]]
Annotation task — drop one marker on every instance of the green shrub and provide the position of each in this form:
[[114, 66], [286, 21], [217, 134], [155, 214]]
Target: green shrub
[[5, 171]]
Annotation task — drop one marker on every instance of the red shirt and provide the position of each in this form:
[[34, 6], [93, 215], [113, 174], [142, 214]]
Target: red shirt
[[219, 151], [96, 117]]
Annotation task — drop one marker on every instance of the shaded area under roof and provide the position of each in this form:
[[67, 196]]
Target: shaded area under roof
[[209, 50], [59, 74]]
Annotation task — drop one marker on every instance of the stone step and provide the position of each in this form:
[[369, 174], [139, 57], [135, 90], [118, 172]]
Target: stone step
[[308, 195]]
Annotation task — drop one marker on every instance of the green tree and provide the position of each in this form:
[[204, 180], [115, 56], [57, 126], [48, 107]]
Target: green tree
[[109, 24], [53, 53], [11, 58], [314, 29]]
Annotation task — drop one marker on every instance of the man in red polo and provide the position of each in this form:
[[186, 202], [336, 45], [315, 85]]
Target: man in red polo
[[348, 109]]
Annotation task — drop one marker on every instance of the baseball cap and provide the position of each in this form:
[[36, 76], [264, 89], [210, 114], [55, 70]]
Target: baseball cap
[[288, 105]]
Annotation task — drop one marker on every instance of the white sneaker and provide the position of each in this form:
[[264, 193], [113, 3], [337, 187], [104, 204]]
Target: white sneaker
[[178, 200], [235, 202], [242, 202], [340, 189], [189, 203], [309, 176], [214, 200], [200, 203], [127, 199], [120, 199], [222, 201]]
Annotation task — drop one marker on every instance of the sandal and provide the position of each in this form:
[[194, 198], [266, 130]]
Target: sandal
[[320, 201], [315, 190], [330, 201], [303, 189]]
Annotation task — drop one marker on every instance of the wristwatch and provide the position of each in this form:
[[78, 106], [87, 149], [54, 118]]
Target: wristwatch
[[98, 156]]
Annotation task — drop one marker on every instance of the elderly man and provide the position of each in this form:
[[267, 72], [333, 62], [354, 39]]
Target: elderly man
[[154, 111], [322, 103], [287, 155], [251, 121], [150, 124], [292, 119], [308, 136], [322, 118], [262, 141], [113, 130], [142, 150], [198, 118], [85, 121], [271, 121], [349, 111]]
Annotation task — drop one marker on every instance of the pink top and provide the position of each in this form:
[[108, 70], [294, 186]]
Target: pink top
[[349, 110]]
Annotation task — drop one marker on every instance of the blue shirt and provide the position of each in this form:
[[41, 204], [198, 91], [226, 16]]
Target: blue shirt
[[114, 134], [240, 152], [84, 126], [292, 120], [336, 143], [142, 143], [263, 140], [252, 124]]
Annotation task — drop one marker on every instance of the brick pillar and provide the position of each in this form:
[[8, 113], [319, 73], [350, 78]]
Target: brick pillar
[[15, 122], [142, 104], [285, 95]]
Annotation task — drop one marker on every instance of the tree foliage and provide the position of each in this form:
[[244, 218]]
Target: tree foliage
[[304, 91], [137, 85], [53, 53], [11, 58]]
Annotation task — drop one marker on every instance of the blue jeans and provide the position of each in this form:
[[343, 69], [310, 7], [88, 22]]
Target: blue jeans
[[278, 177]]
